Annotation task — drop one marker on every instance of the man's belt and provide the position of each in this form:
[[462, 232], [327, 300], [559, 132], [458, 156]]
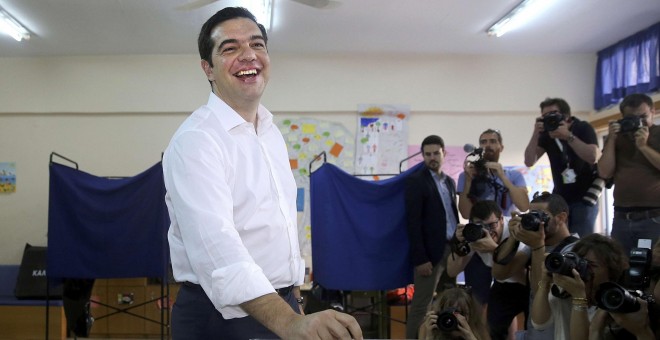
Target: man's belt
[[637, 215], [284, 291]]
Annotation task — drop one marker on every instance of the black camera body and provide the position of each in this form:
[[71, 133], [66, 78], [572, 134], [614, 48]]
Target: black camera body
[[565, 263], [630, 123], [474, 232], [552, 120], [617, 299], [447, 321], [639, 265], [476, 158], [533, 219], [614, 298]]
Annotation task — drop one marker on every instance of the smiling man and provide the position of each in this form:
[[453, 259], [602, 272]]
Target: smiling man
[[231, 198]]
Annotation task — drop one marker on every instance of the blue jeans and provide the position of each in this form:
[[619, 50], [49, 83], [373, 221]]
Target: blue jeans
[[581, 218], [627, 232]]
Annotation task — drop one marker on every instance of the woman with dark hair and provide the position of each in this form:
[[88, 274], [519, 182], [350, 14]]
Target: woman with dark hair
[[455, 315], [571, 303]]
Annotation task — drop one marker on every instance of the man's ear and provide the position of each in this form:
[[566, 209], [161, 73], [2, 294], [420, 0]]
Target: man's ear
[[208, 70], [562, 217]]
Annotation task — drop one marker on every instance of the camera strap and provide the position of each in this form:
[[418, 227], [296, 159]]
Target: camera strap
[[506, 259]]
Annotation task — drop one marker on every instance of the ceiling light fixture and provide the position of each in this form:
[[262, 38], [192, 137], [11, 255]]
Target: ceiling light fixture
[[12, 27], [521, 14]]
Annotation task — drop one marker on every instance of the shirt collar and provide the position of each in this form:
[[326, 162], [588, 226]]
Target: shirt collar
[[230, 119]]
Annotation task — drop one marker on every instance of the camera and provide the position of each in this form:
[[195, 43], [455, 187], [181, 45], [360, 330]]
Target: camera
[[476, 158], [447, 321], [630, 123], [474, 232], [639, 265], [533, 219], [552, 120], [614, 298], [565, 263]]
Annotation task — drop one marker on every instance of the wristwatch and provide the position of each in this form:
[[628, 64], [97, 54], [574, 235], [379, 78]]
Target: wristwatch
[[300, 300], [571, 137]]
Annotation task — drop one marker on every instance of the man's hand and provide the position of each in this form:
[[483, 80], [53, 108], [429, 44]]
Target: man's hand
[[641, 137], [538, 126], [424, 269], [485, 244], [613, 129], [532, 239], [497, 167], [328, 324], [459, 232], [562, 131], [469, 170]]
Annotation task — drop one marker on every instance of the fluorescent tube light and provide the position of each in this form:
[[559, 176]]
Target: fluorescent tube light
[[12, 27], [518, 16]]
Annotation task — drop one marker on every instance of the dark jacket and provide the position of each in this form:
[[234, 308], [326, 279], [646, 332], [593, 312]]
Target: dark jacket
[[426, 219]]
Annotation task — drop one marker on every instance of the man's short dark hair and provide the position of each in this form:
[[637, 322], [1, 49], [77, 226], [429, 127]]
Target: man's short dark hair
[[556, 203], [634, 101], [205, 43], [483, 209], [563, 106], [433, 140], [497, 132]]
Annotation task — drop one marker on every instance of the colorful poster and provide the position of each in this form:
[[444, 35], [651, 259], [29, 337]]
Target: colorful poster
[[381, 139], [7, 177], [307, 138]]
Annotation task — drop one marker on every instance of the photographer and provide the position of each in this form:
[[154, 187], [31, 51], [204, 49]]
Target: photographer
[[572, 149], [642, 323], [486, 179], [565, 299], [631, 156], [454, 315], [543, 229], [482, 235]]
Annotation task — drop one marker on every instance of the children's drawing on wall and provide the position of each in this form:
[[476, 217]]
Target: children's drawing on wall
[[306, 138], [538, 178], [7, 177], [381, 139]]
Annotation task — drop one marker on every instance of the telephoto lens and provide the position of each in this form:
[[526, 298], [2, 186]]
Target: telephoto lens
[[447, 321], [474, 232], [616, 299]]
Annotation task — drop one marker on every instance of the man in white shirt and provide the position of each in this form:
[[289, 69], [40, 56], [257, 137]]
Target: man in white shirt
[[231, 197]]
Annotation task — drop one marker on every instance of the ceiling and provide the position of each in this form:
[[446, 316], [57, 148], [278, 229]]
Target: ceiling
[[401, 27]]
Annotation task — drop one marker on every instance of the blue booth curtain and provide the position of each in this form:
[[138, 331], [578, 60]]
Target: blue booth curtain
[[630, 66], [107, 228], [359, 235]]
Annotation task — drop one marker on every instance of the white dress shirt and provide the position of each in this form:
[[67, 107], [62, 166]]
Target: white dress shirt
[[231, 198]]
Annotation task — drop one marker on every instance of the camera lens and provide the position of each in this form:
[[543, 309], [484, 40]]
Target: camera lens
[[613, 298], [473, 232], [554, 262], [447, 321], [530, 222]]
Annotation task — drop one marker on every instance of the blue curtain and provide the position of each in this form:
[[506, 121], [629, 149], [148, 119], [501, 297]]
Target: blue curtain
[[629, 66], [106, 228], [359, 236]]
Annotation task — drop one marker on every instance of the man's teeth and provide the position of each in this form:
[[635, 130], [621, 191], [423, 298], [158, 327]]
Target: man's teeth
[[246, 73]]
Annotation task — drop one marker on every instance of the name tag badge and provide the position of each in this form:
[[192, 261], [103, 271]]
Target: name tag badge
[[569, 176], [644, 243]]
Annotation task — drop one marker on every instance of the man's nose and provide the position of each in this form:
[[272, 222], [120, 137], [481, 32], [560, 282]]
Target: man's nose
[[247, 54]]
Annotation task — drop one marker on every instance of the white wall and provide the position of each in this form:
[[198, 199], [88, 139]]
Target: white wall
[[115, 115]]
